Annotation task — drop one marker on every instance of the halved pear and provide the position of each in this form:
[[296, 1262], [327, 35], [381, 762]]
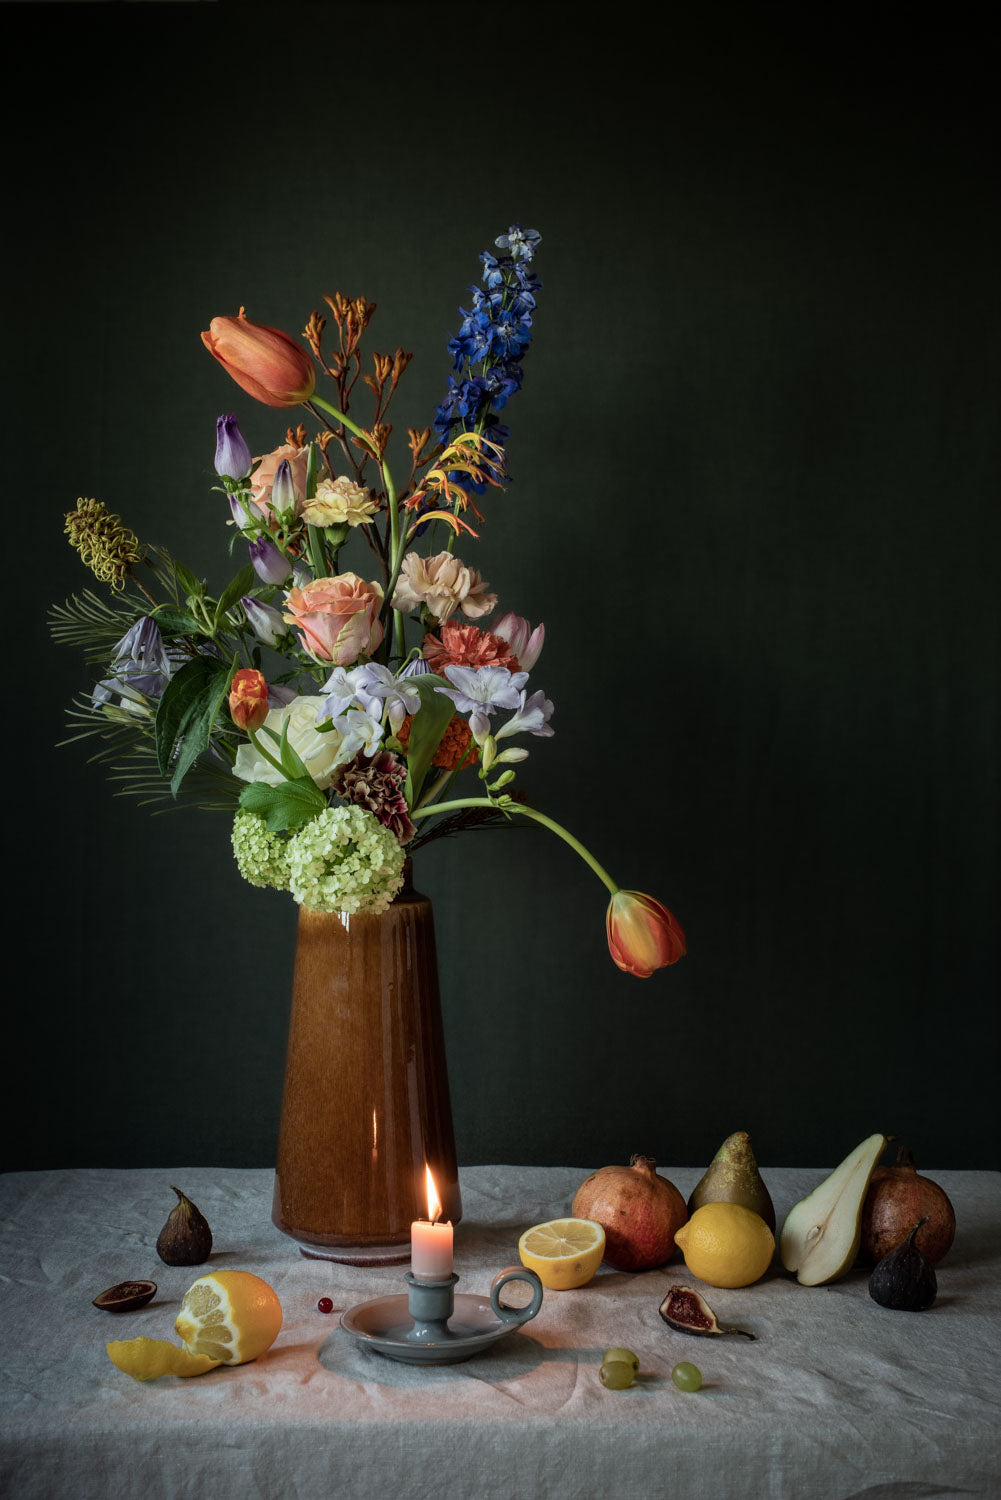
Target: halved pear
[[820, 1237]]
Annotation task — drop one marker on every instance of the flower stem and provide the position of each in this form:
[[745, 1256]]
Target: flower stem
[[266, 753], [508, 805], [395, 549]]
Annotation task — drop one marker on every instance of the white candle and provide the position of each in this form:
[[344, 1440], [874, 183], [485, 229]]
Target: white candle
[[431, 1242], [430, 1250]]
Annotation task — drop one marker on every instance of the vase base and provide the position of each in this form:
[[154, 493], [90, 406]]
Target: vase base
[[358, 1255]]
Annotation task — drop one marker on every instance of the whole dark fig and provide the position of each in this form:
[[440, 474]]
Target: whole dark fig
[[185, 1239], [905, 1279]]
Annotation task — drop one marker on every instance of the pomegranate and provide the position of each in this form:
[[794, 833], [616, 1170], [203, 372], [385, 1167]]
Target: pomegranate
[[896, 1198], [637, 1208]]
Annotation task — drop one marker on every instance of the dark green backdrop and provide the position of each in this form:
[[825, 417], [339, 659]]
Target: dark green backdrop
[[755, 502]]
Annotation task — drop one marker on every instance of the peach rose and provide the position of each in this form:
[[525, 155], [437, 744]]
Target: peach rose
[[338, 618], [263, 476]]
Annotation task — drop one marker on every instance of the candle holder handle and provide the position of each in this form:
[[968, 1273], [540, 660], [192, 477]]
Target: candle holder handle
[[515, 1315]]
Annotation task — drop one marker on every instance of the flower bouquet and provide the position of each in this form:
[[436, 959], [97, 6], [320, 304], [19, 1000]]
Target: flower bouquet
[[344, 718]]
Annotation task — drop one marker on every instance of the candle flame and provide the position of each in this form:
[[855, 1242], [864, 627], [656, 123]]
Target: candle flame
[[434, 1202], [375, 1131]]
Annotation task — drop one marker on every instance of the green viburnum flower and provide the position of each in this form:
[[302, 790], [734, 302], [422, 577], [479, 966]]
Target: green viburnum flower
[[261, 857], [345, 861]]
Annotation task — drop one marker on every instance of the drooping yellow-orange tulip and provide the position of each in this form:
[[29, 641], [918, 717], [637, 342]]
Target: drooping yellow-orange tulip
[[264, 361], [642, 934]]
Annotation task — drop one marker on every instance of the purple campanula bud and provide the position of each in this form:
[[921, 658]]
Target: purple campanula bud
[[266, 623], [283, 489], [301, 575], [232, 456], [270, 565], [238, 510]]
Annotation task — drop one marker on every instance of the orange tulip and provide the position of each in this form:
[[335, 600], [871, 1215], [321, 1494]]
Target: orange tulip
[[264, 361], [642, 934], [248, 699]]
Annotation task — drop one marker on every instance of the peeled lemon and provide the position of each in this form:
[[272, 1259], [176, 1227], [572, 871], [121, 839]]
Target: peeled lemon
[[563, 1253], [226, 1318], [725, 1244], [231, 1316]]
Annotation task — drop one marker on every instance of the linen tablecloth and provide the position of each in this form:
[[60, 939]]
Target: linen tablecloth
[[837, 1398]]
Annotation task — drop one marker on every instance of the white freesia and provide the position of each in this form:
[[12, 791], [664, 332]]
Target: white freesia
[[360, 731], [532, 718], [322, 754]]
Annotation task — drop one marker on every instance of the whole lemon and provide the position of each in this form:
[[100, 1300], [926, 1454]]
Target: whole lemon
[[725, 1244]]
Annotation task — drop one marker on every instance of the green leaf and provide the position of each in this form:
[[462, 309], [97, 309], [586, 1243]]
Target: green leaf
[[196, 730], [187, 712], [426, 730], [293, 767], [189, 583], [240, 585], [284, 807], [316, 552], [311, 472], [172, 621]]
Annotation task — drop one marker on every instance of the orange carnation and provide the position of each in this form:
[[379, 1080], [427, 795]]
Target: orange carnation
[[457, 739], [468, 646]]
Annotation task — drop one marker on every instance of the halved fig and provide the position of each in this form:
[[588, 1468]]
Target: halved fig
[[126, 1296], [686, 1311]]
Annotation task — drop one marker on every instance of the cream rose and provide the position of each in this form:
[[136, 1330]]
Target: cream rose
[[340, 502], [444, 584], [338, 617], [319, 753]]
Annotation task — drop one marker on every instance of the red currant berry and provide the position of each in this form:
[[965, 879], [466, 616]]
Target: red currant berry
[[325, 1305]]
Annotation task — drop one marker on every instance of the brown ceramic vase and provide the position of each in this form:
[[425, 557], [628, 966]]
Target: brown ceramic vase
[[366, 1102]]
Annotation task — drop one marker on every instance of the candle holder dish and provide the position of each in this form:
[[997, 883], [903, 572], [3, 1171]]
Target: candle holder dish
[[429, 1325]]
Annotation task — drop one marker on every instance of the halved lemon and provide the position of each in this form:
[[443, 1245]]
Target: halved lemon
[[226, 1318], [563, 1253]]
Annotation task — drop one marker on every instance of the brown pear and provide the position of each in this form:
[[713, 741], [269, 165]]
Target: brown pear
[[733, 1177]]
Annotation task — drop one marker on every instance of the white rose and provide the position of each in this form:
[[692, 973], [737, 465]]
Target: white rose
[[320, 753]]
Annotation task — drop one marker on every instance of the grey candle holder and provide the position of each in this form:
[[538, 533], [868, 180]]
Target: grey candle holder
[[430, 1325]]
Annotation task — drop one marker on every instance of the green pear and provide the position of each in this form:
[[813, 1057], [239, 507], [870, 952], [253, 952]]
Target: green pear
[[733, 1177], [820, 1237]]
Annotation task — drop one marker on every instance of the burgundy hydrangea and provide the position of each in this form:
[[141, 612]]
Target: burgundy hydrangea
[[377, 785]]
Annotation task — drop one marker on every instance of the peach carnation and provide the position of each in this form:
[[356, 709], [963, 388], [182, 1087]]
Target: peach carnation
[[468, 646], [444, 584]]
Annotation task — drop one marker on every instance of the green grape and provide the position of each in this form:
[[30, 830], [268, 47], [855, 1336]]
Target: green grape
[[626, 1354], [687, 1377], [616, 1374]]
